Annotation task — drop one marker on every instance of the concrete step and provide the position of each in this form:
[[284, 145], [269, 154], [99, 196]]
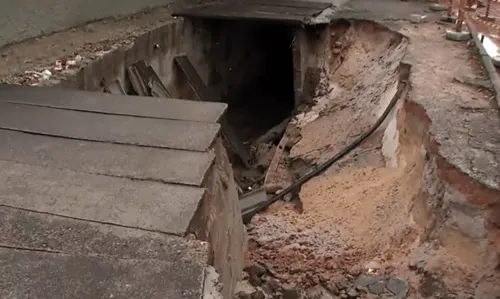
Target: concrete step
[[100, 190], [32, 274], [141, 163], [113, 104], [166, 208], [43, 254], [164, 133]]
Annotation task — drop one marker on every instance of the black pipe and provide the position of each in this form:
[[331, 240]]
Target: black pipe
[[249, 212]]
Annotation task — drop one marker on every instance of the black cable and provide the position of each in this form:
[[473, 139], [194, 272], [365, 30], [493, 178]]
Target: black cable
[[249, 212]]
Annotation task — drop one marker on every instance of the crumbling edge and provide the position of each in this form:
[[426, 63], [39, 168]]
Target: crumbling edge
[[488, 64]]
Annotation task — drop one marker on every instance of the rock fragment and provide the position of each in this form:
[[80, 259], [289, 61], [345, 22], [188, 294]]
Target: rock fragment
[[398, 287]]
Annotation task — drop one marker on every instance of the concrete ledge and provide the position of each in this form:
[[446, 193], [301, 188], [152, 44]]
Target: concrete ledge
[[488, 64], [137, 204], [183, 135], [113, 104], [35, 274], [127, 161]]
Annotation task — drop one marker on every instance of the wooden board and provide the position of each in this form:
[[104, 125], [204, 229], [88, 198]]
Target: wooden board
[[205, 95]]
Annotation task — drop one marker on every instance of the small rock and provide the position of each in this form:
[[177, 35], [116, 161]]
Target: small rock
[[243, 295], [352, 294], [255, 280], [273, 284], [340, 281], [332, 287], [344, 296], [377, 287], [363, 281], [318, 292], [355, 270], [417, 19], [416, 264], [266, 289], [255, 270], [258, 295], [398, 286], [89, 28], [290, 292], [338, 44]]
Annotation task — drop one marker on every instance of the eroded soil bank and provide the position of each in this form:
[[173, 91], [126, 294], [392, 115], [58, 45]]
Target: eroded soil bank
[[397, 217]]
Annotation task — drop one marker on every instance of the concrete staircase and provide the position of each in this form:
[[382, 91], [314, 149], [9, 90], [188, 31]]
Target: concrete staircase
[[99, 192]]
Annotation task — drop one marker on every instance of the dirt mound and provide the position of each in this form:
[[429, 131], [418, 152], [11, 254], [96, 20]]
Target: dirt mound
[[380, 216]]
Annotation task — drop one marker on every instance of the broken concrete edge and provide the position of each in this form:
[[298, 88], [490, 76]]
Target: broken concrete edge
[[487, 63], [212, 284], [218, 221]]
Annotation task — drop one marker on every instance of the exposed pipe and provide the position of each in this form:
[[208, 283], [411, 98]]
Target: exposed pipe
[[249, 212]]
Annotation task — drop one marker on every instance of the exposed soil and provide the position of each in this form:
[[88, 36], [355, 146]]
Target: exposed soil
[[367, 227]]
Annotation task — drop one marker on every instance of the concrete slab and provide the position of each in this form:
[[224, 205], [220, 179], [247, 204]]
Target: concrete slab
[[38, 231], [163, 133], [31, 274], [457, 36], [113, 104], [144, 163], [139, 204]]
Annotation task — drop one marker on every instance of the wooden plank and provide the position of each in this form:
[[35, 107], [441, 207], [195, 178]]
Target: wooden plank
[[156, 85], [116, 87], [194, 78], [205, 95], [137, 81]]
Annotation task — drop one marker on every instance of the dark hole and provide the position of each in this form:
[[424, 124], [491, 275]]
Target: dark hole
[[253, 64]]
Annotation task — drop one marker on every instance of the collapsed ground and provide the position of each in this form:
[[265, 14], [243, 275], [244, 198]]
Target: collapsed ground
[[392, 219]]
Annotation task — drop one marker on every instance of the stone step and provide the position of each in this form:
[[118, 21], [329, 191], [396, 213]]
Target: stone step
[[113, 104], [36, 274], [59, 234], [146, 205], [99, 191], [141, 163], [164, 133]]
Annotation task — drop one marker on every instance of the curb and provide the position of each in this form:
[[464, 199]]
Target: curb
[[488, 64]]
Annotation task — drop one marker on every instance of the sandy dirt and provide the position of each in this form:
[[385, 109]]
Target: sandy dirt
[[367, 210]]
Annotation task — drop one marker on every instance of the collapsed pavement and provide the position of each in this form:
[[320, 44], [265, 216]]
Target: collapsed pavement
[[409, 213]]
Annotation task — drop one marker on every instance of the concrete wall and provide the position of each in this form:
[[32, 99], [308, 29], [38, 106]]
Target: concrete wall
[[24, 19]]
